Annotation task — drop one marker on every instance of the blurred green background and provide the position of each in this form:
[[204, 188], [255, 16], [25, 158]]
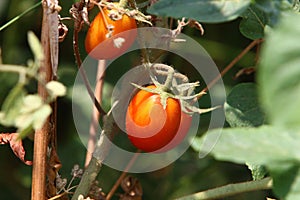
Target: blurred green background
[[187, 175]]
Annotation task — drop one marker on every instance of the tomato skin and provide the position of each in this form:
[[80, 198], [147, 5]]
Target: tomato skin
[[97, 34], [185, 123], [149, 127]]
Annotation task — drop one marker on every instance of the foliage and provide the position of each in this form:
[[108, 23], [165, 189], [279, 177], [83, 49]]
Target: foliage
[[26, 111], [263, 124], [274, 145]]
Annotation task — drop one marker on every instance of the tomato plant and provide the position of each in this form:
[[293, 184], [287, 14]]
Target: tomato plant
[[108, 35], [257, 139], [149, 126]]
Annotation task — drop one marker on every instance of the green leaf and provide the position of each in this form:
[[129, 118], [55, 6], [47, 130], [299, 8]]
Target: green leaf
[[258, 171], [273, 147], [31, 103], [36, 49], [12, 105], [40, 116], [279, 73], [25, 131], [253, 23], [274, 9], [242, 107], [296, 5], [264, 13], [260, 146], [242, 110], [294, 192], [286, 180], [56, 89], [209, 11], [32, 115]]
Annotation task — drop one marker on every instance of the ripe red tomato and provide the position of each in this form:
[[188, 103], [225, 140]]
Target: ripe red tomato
[[150, 127], [117, 43], [183, 129]]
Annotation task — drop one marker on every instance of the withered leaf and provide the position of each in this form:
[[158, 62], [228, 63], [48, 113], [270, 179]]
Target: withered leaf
[[16, 145], [132, 188]]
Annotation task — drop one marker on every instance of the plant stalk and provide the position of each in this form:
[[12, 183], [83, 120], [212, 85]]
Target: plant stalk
[[231, 189], [82, 72], [94, 167], [95, 115], [41, 136]]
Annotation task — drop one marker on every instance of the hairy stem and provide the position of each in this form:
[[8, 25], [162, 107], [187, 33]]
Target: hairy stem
[[167, 85], [231, 189]]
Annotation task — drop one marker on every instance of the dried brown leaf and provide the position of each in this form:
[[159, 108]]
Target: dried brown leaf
[[132, 188], [16, 145]]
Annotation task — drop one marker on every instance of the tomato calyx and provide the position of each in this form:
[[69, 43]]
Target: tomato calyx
[[164, 95], [176, 86], [120, 8]]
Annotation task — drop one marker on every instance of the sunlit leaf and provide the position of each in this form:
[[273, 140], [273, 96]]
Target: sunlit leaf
[[40, 116], [12, 105], [56, 89], [210, 11], [279, 73], [35, 46], [273, 147], [260, 145], [32, 117], [31, 103]]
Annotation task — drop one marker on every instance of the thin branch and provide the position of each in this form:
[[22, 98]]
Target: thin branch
[[95, 114], [59, 196], [231, 189], [82, 72], [95, 164], [232, 63]]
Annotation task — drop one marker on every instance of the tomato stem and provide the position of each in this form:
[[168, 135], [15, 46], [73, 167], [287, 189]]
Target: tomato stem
[[167, 86], [123, 3]]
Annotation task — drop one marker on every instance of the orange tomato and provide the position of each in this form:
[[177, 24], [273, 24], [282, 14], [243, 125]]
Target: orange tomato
[[100, 45], [149, 126], [185, 124]]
